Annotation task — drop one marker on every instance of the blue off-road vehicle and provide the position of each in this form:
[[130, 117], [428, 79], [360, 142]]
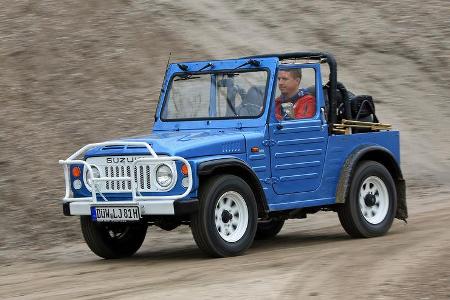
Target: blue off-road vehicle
[[221, 160]]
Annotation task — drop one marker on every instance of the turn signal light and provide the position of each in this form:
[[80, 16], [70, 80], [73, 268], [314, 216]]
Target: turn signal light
[[76, 172], [255, 149], [184, 170]]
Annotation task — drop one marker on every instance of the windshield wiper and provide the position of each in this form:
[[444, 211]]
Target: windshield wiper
[[183, 67], [186, 77], [253, 62]]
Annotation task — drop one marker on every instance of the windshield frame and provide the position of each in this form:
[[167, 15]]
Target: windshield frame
[[243, 70]]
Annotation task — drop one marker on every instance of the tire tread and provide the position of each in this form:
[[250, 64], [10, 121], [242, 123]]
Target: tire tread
[[346, 212], [95, 241], [199, 220]]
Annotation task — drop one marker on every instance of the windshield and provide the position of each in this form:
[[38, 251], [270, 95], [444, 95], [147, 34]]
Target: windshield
[[219, 95]]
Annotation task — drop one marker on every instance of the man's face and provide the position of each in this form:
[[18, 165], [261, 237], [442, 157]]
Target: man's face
[[287, 84]]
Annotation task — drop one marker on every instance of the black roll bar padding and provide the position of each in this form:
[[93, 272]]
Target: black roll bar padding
[[346, 99], [329, 58]]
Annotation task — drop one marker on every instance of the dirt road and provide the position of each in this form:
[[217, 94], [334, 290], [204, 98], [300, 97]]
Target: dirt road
[[79, 73], [310, 258]]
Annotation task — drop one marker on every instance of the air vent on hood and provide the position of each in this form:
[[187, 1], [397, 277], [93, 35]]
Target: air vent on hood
[[137, 147], [114, 147], [120, 147]]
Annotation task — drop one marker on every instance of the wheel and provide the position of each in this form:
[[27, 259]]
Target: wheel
[[268, 228], [225, 224], [370, 206], [112, 240]]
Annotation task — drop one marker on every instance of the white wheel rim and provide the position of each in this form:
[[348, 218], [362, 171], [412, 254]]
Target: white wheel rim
[[231, 216], [374, 200]]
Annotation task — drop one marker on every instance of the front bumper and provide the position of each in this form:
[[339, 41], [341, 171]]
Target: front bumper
[[149, 205], [154, 207]]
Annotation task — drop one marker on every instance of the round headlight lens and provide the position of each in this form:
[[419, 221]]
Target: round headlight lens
[[164, 176], [96, 174], [77, 184]]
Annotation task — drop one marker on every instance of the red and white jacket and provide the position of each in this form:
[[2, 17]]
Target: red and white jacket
[[304, 105]]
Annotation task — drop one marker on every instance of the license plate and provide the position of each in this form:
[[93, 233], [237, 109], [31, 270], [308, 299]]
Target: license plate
[[115, 213]]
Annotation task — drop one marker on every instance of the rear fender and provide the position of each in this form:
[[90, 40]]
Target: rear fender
[[386, 158]]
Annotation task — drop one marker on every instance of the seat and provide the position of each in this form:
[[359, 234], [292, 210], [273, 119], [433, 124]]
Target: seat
[[252, 103]]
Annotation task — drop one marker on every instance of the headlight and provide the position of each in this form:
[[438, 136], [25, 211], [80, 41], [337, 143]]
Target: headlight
[[76, 184], [164, 175], [96, 174]]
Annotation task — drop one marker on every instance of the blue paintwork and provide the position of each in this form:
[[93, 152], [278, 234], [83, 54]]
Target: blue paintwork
[[338, 149], [298, 155], [298, 165]]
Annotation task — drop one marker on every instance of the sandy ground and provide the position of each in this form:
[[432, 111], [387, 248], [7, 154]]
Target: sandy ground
[[74, 73]]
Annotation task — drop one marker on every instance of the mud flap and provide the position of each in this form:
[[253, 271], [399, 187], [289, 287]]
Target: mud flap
[[402, 209]]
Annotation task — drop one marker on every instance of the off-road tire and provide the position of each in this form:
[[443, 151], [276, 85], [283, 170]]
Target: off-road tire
[[113, 240], [204, 224], [351, 214], [268, 229]]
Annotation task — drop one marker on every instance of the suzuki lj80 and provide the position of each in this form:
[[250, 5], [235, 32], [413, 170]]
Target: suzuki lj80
[[233, 156]]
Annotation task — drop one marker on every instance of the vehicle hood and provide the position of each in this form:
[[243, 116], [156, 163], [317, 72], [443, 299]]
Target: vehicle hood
[[180, 143]]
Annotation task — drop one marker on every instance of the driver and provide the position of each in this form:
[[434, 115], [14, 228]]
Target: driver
[[289, 84]]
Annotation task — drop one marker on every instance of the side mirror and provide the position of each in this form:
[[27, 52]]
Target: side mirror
[[287, 110]]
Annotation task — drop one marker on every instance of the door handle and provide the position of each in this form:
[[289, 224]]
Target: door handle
[[279, 126]]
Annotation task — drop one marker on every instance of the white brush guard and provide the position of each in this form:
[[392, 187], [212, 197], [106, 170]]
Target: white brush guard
[[149, 205]]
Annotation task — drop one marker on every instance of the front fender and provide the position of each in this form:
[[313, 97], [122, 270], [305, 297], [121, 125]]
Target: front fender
[[238, 167]]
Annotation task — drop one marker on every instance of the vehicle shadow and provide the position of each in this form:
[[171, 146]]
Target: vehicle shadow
[[183, 248], [297, 239], [189, 252]]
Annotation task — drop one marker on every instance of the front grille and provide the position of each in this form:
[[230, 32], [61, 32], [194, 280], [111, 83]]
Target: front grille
[[141, 174], [141, 178], [123, 168]]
